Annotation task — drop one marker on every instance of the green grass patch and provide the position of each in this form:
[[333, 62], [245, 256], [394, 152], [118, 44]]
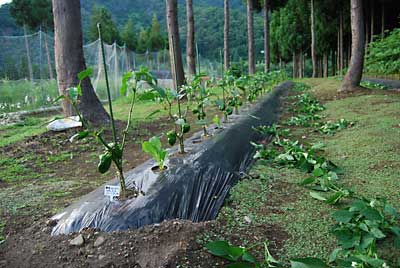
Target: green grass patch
[[30, 126]]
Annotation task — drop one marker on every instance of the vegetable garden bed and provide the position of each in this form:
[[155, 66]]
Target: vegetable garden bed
[[193, 187]]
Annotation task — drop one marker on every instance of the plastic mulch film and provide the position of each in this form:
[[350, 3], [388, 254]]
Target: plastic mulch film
[[193, 187]]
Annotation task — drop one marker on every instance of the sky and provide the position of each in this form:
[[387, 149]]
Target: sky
[[4, 1]]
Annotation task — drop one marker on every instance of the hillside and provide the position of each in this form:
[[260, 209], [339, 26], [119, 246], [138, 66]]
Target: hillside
[[208, 16]]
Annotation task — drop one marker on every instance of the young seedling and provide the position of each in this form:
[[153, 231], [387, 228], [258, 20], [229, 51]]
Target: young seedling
[[167, 97], [200, 94], [154, 148], [217, 121], [222, 104]]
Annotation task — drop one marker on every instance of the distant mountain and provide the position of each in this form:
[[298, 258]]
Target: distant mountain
[[208, 19]]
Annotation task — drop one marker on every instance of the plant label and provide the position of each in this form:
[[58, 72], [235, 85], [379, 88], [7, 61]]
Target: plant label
[[111, 191]]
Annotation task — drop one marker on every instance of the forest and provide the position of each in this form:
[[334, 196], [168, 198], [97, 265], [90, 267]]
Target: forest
[[199, 133]]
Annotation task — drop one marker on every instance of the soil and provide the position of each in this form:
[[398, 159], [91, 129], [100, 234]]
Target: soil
[[151, 246], [169, 244]]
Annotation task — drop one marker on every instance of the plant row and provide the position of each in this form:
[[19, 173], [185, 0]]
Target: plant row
[[359, 226], [196, 97]]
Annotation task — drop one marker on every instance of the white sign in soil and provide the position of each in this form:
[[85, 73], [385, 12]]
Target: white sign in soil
[[111, 191]]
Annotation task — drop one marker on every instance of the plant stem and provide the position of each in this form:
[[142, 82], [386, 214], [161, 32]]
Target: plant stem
[[107, 85], [129, 119]]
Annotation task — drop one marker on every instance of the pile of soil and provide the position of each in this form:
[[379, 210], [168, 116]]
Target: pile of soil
[[153, 246]]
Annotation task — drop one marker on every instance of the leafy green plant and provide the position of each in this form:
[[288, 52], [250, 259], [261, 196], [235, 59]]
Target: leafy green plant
[[273, 130], [359, 227], [201, 96], [217, 121], [239, 257], [372, 85], [154, 148], [384, 54], [113, 151], [168, 97], [225, 84], [331, 128]]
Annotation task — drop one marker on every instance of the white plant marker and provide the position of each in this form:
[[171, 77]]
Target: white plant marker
[[112, 191]]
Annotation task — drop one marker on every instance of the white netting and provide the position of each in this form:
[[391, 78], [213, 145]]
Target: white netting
[[27, 69]]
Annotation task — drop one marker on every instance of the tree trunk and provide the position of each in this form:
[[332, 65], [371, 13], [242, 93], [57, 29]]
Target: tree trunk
[[341, 57], [300, 64], [28, 54], [70, 60], [178, 74], [226, 35], [383, 21], [325, 59], [190, 53], [367, 31], [294, 65], [49, 65], [267, 52], [338, 54], [333, 63], [313, 54], [372, 21], [354, 74], [250, 36]]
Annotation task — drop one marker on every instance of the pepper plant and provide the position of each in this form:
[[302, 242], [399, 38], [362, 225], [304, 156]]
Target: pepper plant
[[225, 84], [201, 96], [113, 151], [168, 97]]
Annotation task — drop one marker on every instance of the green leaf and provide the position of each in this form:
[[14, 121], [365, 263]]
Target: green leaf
[[317, 196], [333, 199], [318, 172], [307, 181], [367, 240], [61, 97], [153, 113], [377, 233], [234, 253], [85, 73], [334, 255], [105, 163], [124, 85], [218, 248], [374, 262], [343, 216], [371, 214], [248, 257], [73, 93], [390, 210], [308, 263], [358, 205]]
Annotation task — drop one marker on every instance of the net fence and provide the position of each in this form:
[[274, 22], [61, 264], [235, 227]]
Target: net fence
[[27, 69]]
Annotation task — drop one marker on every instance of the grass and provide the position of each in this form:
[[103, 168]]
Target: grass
[[368, 153], [28, 127], [14, 94]]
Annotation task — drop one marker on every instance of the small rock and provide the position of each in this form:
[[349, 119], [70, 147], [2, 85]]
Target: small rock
[[77, 241], [101, 257], [247, 219], [99, 241], [90, 256], [51, 222]]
